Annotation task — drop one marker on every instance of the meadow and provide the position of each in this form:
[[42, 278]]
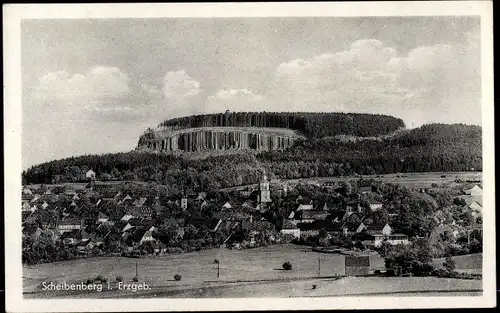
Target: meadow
[[196, 268]]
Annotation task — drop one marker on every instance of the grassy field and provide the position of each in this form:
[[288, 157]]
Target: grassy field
[[244, 273], [470, 263], [411, 180], [195, 268], [414, 180]]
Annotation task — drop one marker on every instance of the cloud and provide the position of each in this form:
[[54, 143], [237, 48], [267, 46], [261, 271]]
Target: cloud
[[93, 86], [151, 89], [430, 83], [178, 85], [235, 100]]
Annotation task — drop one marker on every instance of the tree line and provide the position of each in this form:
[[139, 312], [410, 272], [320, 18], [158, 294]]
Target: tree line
[[431, 148]]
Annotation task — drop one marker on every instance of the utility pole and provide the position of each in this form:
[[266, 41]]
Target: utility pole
[[218, 267], [319, 266], [136, 271]]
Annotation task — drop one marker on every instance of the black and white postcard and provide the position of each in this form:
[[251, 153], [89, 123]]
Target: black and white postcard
[[249, 156]]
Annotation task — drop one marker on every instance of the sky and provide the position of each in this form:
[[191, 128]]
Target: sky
[[94, 86]]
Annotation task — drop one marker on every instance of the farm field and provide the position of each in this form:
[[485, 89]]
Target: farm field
[[196, 268], [470, 263], [411, 180], [348, 286], [244, 273]]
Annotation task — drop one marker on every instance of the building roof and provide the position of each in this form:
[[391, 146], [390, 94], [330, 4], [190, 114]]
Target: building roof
[[365, 189], [288, 225], [70, 221], [139, 234], [374, 201], [305, 207], [74, 234], [357, 261], [30, 230], [376, 227], [316, 215]]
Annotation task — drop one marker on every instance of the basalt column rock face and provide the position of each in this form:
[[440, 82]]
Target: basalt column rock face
[[216, 139]]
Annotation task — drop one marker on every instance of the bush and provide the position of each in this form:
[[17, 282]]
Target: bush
[[287, 266], [449, 264], [177, 277], [101, 278], [119, 278], [89, 282], [452, 274], [390, 273], [135, 279], [377, 272]]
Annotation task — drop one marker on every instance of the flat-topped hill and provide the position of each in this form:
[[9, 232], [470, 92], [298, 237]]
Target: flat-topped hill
[[263, 131], [310, 124]]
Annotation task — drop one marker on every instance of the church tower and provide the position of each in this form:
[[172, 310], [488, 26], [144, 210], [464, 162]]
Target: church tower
[[264, 191]]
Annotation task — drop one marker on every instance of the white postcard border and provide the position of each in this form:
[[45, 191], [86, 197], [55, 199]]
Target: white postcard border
[[13, 14]]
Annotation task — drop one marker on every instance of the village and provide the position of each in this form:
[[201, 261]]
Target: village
[[104, 219]]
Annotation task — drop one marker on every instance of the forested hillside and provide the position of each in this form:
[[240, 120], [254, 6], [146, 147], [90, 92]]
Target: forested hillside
[[430, 148], [435, 147], [312, 125]]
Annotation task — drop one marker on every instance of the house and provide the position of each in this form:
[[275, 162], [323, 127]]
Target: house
[[35, 198], [376, 234], [126, 200], [375, 204], [338, 229], [142, 235], [290, 229], [383, 229], [329, 184], [131, 223], [336, 216], [33, 208], [126, 217], [31, 231], [69, 225], [85, 245], [142, 212], [305, 207], [247, 204], [474, 191], [377, 239], [474, 203], [90, 174], [440, 233], [201, 196], [322, 206], [353, 206], [227, 205], [69, 190], [365, 190], [311, 216], [358, 265], [25, 207], [45, 205], [71, 237], [204, 204], [140, 202], [25, 215], [103, 219], [27, 192]]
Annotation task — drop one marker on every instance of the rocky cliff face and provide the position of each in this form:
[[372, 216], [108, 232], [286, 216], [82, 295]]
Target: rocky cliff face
[[218, 138]]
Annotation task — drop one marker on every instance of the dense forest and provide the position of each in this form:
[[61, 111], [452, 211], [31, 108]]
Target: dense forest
[[434, 147], [312, 125]]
